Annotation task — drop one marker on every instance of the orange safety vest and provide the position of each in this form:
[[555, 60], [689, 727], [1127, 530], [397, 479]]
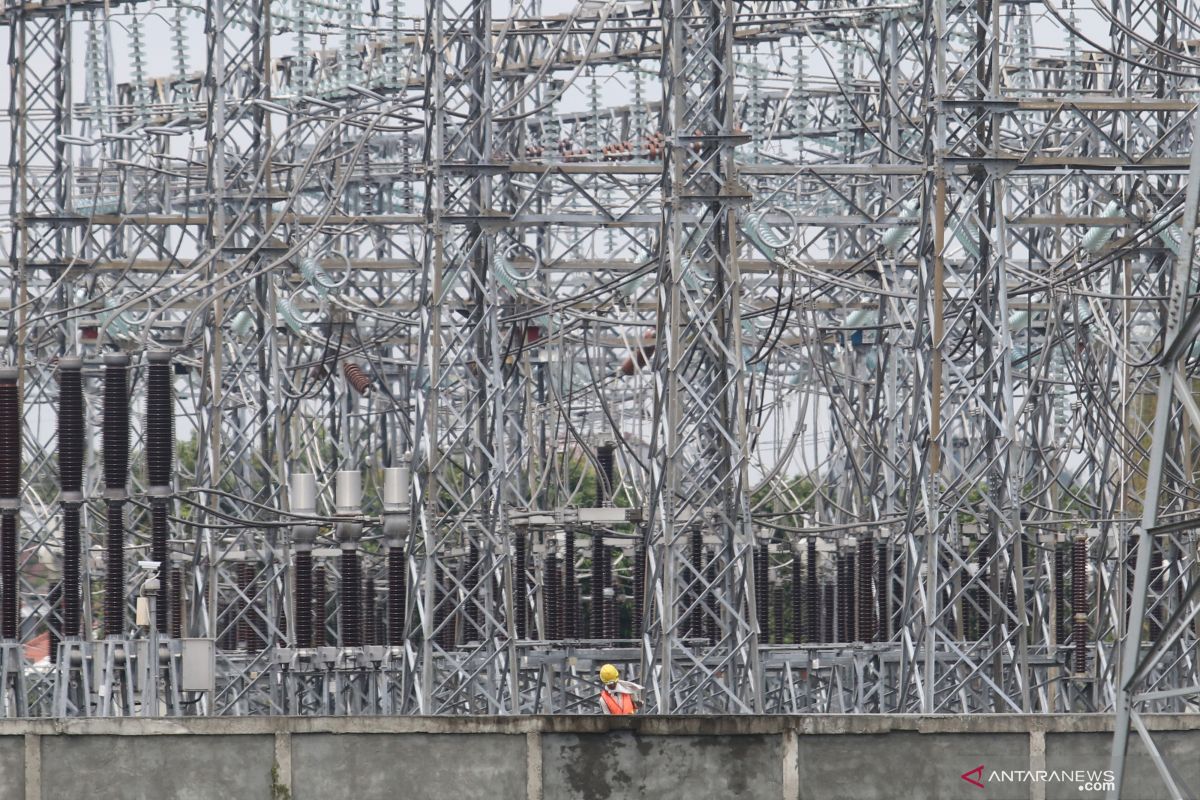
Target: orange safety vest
[[619, 704]]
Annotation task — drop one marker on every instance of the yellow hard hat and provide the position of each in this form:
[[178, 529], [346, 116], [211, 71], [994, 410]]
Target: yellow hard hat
[[608, 673]]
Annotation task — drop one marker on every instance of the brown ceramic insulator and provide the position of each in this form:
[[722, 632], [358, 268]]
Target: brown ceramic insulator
[[520, 582], [882, 592], [302, 595], [397, 597], [10, 436], [711, 610], [828, 614], [761, 571], [552, 598], [851, 596], [982, 598], [1079, 608], [70, 427], [1060, 595], [71, 571], [777, 610], [54, 620], [350, 599], [797, 589], [696, 619], [176, 592], [320, 607], [639, 586], [370, 623], [597, 586], [866, 592], [355, 376], [812, 617], [246, 637], [570, 589], [114, 570]]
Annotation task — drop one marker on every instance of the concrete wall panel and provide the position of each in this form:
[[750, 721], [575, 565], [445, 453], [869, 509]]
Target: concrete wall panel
[[157, 767], [622, 764], [905, 765], [1090, 752], [12, 766], [430, 765]]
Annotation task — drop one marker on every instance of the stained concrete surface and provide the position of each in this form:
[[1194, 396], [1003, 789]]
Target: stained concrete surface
[[1090, 752], [486, 766], [12, 766], [156, 767], [623, 764], [906, 764]]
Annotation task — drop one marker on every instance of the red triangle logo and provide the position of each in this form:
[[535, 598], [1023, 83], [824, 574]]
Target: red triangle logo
[[977, 780]]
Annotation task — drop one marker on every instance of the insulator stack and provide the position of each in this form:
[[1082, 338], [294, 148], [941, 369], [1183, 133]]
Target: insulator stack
[[570, 589], [302, 588], [71, 567], [843, 589], [8, 576], [711, 611], [1153, 607], [552, 598], [828, 614], [606, 479], [177, 603], [777, 591], [866, 596], [320, 607], [10, 490], [247, 639], [797, 599], [968, 608], [520, 582], [397, 597], [761, 570], [116, 475], [160, 421], [350, 599], [160, 464], [696, 620], [639, 586], [1060, 596], [1079, 601], [10, 438], [158, 552], [883, 594], [70, 472], [116, 421], [851, 596], [70, 425], [982, 598], [359, 380], [440, 608], [597, 584], [54, 624], [370, 628], [114, 575], [611, 617], [812, 619], [473, 621]]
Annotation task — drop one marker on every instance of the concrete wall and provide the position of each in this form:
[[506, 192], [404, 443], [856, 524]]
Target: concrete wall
[[591, 758]]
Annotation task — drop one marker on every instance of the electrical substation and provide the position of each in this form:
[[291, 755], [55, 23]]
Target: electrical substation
[[794, 357]]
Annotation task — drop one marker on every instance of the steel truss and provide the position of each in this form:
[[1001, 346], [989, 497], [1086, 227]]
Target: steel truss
[[792, 356]]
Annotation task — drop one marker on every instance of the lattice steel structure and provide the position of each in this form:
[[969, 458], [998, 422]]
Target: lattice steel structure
[[793, 356]]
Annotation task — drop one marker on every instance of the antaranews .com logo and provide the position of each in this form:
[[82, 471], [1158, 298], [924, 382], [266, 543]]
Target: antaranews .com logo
[[1087, 780]]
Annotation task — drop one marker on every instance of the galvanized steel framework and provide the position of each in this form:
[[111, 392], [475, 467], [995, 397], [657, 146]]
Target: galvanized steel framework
[[875, 290]]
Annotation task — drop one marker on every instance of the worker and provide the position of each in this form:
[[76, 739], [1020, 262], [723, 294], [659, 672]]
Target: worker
[[618, 697]]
